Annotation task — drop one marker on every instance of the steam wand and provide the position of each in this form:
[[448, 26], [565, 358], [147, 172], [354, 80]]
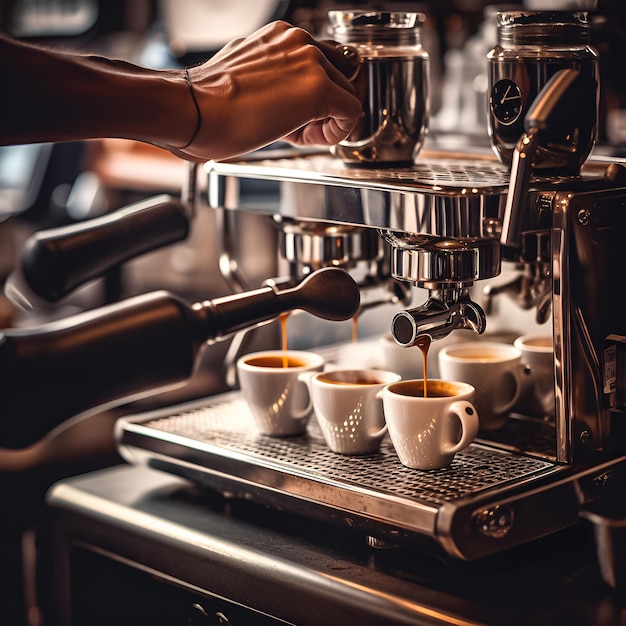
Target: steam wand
[[538, 120], [531, 246], [135, 347]]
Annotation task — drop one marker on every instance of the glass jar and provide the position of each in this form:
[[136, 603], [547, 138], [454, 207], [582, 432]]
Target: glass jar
[[531, 47], [392, 82]]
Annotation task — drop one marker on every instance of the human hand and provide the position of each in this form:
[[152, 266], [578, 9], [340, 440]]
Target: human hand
[[278, 83]]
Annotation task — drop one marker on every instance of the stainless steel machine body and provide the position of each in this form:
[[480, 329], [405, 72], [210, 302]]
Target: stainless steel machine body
[[523, 481], [455, 203]]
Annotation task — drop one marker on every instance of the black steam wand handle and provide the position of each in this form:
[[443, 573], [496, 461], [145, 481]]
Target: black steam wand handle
[[130, 349]]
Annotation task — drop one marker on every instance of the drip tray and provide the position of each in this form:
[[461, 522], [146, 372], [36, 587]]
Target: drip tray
[[214, 442]]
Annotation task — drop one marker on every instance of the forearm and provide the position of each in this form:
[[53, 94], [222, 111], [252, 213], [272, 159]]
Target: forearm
[[277, 83], [50, 95]]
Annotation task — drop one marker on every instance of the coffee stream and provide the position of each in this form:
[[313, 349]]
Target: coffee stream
[[423, 343], [283, 327]]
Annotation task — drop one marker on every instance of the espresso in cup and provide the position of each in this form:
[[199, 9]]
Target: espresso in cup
[[494, 369], [279, 401], [427, 432], [434, 389], [536, 342], [348, 408], [277, 361], [355, 378]]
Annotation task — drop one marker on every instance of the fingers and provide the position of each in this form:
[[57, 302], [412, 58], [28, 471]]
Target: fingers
[[259, 89], [338, 109], [344, 107], [344, 57], [325, 132]]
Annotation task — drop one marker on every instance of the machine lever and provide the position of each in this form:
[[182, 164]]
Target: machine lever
[[57, 261], [136, 347]]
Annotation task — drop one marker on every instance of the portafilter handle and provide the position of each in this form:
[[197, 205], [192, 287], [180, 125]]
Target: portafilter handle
[[136, 347]]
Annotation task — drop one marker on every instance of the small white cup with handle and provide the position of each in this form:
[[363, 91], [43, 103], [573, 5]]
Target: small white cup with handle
[[279, 401], [349, 413], [494, 369], [538, 360], [427, 432]]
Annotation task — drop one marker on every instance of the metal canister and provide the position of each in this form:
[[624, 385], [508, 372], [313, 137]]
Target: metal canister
[[393, 83], [531, 47]]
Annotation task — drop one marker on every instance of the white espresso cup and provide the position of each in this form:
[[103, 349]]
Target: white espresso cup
[[349, 413], [279, 401], [538, 360], [494, 369], [427, 432]]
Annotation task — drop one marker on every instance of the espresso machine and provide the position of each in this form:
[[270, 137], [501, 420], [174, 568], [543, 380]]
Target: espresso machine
[[442, 229], [451, 222], [443, 222]]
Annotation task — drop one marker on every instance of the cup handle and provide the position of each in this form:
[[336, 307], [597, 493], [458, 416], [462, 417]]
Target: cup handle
[[305, 379], [520, 389], [526, 383], [468, 416], [379, 434]]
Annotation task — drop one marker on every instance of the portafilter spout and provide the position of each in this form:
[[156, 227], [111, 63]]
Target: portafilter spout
[[447, 267], [443, 312], [138, 346]]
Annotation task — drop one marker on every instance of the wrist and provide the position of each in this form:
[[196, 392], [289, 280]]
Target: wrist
[[157, 107], [194, 98]]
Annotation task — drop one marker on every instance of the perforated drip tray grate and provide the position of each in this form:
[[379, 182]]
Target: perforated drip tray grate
[[220, 434]]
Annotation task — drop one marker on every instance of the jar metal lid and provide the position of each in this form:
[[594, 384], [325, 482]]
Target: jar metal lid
[[542, 27], [376, 27]]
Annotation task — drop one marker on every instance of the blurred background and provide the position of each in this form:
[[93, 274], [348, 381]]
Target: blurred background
[[48, 185]]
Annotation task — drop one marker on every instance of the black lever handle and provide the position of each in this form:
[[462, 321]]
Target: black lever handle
[[58, 260]]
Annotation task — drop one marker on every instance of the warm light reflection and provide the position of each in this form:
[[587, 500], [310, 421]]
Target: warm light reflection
[[408, 605]]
